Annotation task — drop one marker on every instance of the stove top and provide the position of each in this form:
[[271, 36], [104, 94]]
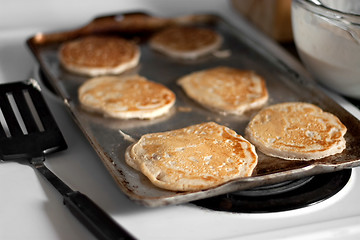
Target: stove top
[[40, 213], [283, 196]]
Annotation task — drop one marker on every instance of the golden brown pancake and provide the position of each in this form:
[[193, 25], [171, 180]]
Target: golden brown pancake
[[296, 130], [99, 55], [126, 97], [193, 158], [186, 42], [226, 90]]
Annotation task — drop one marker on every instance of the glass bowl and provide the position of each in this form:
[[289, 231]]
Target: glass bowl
[[327, 38]]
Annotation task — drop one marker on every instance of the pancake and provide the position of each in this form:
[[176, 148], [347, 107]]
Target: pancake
[[193, 158], [126, 97], [226, 90], [99, 55], [186, 42], [296, 131]]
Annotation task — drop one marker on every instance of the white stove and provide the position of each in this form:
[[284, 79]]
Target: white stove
[[31, 208]]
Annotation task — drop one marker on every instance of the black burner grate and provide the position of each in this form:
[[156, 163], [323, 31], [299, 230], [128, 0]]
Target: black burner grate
[[280, 197]]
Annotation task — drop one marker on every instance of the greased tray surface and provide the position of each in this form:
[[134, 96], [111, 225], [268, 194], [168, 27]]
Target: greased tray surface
[[110, 137]]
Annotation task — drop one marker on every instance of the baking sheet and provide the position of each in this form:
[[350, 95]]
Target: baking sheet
[[110, 137]]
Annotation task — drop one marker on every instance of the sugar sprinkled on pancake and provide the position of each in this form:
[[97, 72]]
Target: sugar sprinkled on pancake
[[296, 130], [197, 157], [186, 42], [226, 90], [99, 55], [126, 97]]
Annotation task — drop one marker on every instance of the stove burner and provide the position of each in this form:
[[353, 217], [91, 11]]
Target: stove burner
[[280, 197]]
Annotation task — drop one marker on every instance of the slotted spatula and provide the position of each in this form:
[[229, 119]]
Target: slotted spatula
[[29, 132]]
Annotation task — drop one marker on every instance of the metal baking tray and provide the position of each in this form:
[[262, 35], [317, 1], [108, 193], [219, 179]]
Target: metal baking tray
[[110, 137]]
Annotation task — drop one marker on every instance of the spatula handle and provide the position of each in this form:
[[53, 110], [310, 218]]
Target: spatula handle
[[82, 207], [94, 218]]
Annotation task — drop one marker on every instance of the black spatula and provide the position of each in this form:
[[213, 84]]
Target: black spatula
[[29, 132]]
